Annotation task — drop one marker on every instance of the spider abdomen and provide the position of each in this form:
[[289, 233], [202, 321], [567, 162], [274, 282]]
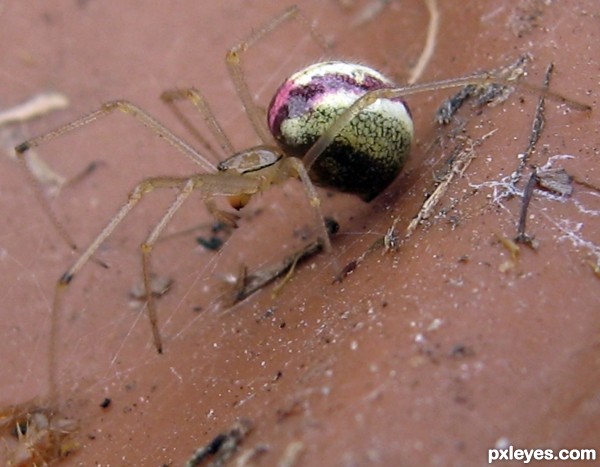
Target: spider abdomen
[[367, 155]]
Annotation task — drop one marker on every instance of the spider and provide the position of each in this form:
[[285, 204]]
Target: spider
[[335, 124]]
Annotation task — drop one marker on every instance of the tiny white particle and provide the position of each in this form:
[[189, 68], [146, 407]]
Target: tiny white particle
[[502, 443]]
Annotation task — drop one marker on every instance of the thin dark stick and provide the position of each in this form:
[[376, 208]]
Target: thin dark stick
[[521, 236]]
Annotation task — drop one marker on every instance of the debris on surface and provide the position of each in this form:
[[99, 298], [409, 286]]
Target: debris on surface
[[37, 106], [246, 284], [292, 454], [222, 447], [490, 94], [35, 436], [159, 285], [11, 135], [458, 163]]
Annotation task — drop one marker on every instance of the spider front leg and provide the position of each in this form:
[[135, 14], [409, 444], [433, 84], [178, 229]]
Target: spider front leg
[[207, 185], [129, 109], [146, 249], [106, 109]]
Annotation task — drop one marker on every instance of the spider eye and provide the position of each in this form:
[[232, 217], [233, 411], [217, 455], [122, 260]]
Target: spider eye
[[367, 155]]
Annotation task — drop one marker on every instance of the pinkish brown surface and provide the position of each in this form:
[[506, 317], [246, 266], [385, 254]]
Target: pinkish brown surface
[[429, 355]]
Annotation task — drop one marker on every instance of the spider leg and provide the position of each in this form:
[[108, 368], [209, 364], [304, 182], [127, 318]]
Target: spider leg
[[129, 109], [146, 249], [199, 101], [370, 97], [65, 280], [235, 68], [208, 185], [108, 108], [299, 168], [201, 104]]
